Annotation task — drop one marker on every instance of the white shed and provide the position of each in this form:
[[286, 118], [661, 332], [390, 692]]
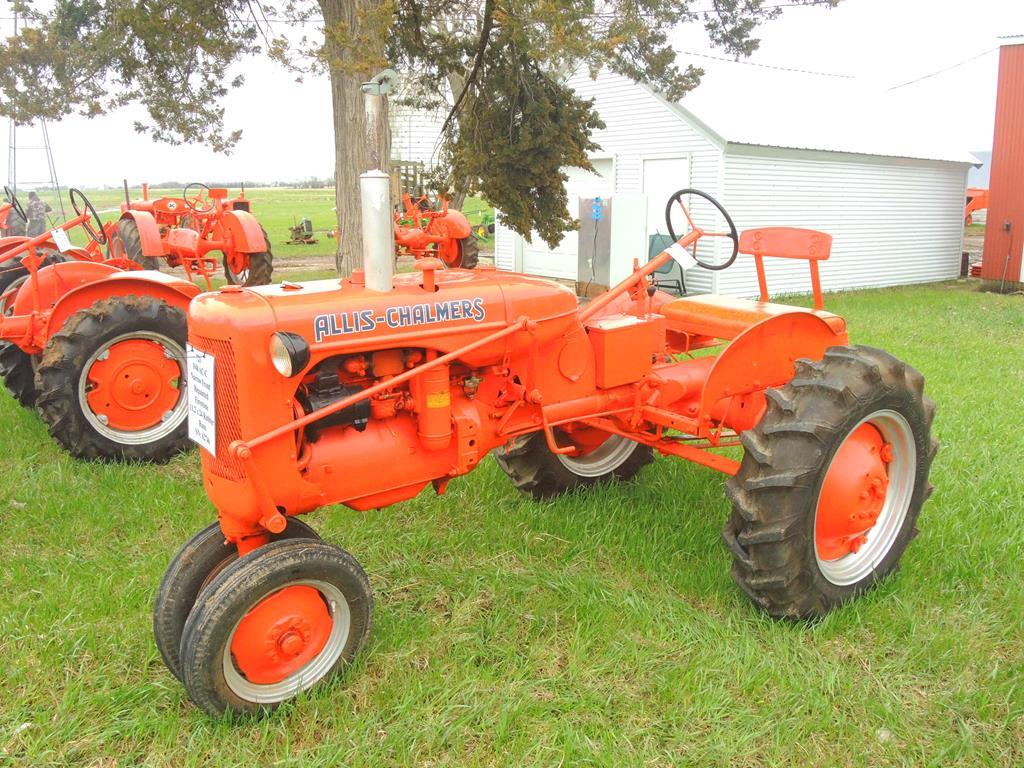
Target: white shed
[[775, 148]]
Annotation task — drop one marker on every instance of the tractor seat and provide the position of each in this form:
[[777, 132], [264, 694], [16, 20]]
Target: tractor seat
[[723, 317]]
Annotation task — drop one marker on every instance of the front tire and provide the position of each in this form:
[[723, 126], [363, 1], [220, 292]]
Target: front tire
[[539, 473], [194, 566], [274, 623], [111, 381], [831, 484]]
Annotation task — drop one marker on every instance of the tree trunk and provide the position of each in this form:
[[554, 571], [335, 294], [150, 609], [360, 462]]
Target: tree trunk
[[456, 83], [349, 69]]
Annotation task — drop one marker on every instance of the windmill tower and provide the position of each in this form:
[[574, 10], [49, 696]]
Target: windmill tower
[[30, 158]]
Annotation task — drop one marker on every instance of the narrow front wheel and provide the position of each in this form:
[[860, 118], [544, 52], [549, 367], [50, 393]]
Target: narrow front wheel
[[273, 624]]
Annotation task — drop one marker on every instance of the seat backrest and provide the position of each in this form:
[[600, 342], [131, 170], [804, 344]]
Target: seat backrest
[[787, 243]]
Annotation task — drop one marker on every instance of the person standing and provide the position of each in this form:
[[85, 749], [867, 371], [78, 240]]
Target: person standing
[[36, 213]]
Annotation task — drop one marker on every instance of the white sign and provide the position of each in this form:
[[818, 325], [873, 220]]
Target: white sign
[[60, 239], [681, 255], [202, 404]]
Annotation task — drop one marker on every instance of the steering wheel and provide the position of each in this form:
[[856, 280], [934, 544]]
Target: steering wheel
[[193, 204], [732, 234], [98, 237], [15, 205]]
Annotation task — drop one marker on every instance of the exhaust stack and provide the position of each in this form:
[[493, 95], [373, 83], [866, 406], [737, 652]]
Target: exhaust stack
[[378, 230]]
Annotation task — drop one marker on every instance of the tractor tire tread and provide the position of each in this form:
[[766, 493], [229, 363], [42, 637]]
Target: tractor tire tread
[[537, 472], [128, 231], [60, 365], [770, 531]]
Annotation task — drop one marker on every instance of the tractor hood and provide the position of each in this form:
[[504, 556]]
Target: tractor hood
[[349, 316]]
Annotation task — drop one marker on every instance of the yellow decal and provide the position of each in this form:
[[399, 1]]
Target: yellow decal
[[439, 399]]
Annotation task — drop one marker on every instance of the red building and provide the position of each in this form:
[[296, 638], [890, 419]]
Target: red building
[[1004, 228]]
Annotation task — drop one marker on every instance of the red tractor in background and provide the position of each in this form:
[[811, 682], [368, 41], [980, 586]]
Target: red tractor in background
[[184, 231], [367, 391], [423, 230], [95, 344], [977, 200]]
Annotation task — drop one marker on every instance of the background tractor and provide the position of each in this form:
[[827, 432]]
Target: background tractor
[[95, 344], [185, 231], [365, 393], [423, 230]]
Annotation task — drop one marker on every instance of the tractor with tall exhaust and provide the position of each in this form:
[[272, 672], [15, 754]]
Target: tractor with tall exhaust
[[366, 391]]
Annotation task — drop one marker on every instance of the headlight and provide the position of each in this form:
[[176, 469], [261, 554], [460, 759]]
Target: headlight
[[289, 353]]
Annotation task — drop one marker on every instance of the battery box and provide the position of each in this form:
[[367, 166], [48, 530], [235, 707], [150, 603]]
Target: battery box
[[624, 347]]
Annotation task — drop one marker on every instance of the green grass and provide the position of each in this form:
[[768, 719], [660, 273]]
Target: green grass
[[277, 208], [598, 629]]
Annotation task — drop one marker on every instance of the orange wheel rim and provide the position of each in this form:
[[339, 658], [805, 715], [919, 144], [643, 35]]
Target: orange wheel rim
[[853, 493], [133, 385], [281, 634]]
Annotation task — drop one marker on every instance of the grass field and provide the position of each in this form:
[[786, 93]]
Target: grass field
[[598, 629], [277, 208]]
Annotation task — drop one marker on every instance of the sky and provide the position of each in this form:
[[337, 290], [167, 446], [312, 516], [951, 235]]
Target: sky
[[288, 129]]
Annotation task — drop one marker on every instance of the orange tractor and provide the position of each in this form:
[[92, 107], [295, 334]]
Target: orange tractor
[[364, 393], [184, 231], [95, 344], [423, 230]]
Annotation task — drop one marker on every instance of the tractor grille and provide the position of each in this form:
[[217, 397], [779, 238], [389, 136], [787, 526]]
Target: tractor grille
[[229, 425]]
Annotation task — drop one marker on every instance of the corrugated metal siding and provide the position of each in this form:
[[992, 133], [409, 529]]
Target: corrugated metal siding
[[893, 221], [1006, 185], [637, 125], [414, 133], [504, 247]]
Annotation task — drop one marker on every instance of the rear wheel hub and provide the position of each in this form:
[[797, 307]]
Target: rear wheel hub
[[132, 385], [852, 495], [864, 497]]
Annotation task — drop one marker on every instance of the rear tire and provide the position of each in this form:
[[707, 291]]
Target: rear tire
[[260, 271], [469, 252], [539, 473], [64, 375], [16, 366], [777, 493], [128, 231], [261, 588], [194, 566]]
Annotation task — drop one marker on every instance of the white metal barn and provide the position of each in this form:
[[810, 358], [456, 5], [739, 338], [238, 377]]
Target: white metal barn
[[775, 148]]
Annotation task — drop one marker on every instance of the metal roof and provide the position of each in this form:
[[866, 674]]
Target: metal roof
[[744, 104]]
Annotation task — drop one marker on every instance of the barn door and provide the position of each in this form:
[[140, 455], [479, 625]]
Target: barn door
[[560, 261]]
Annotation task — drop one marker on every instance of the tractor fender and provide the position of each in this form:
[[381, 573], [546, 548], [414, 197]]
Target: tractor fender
[[761, 357], [173, 290], [244, 231], [55, 281], [455, 224], [149, 232], [10, 247]]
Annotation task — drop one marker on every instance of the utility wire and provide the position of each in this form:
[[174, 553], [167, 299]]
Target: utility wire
[[944, 69]]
